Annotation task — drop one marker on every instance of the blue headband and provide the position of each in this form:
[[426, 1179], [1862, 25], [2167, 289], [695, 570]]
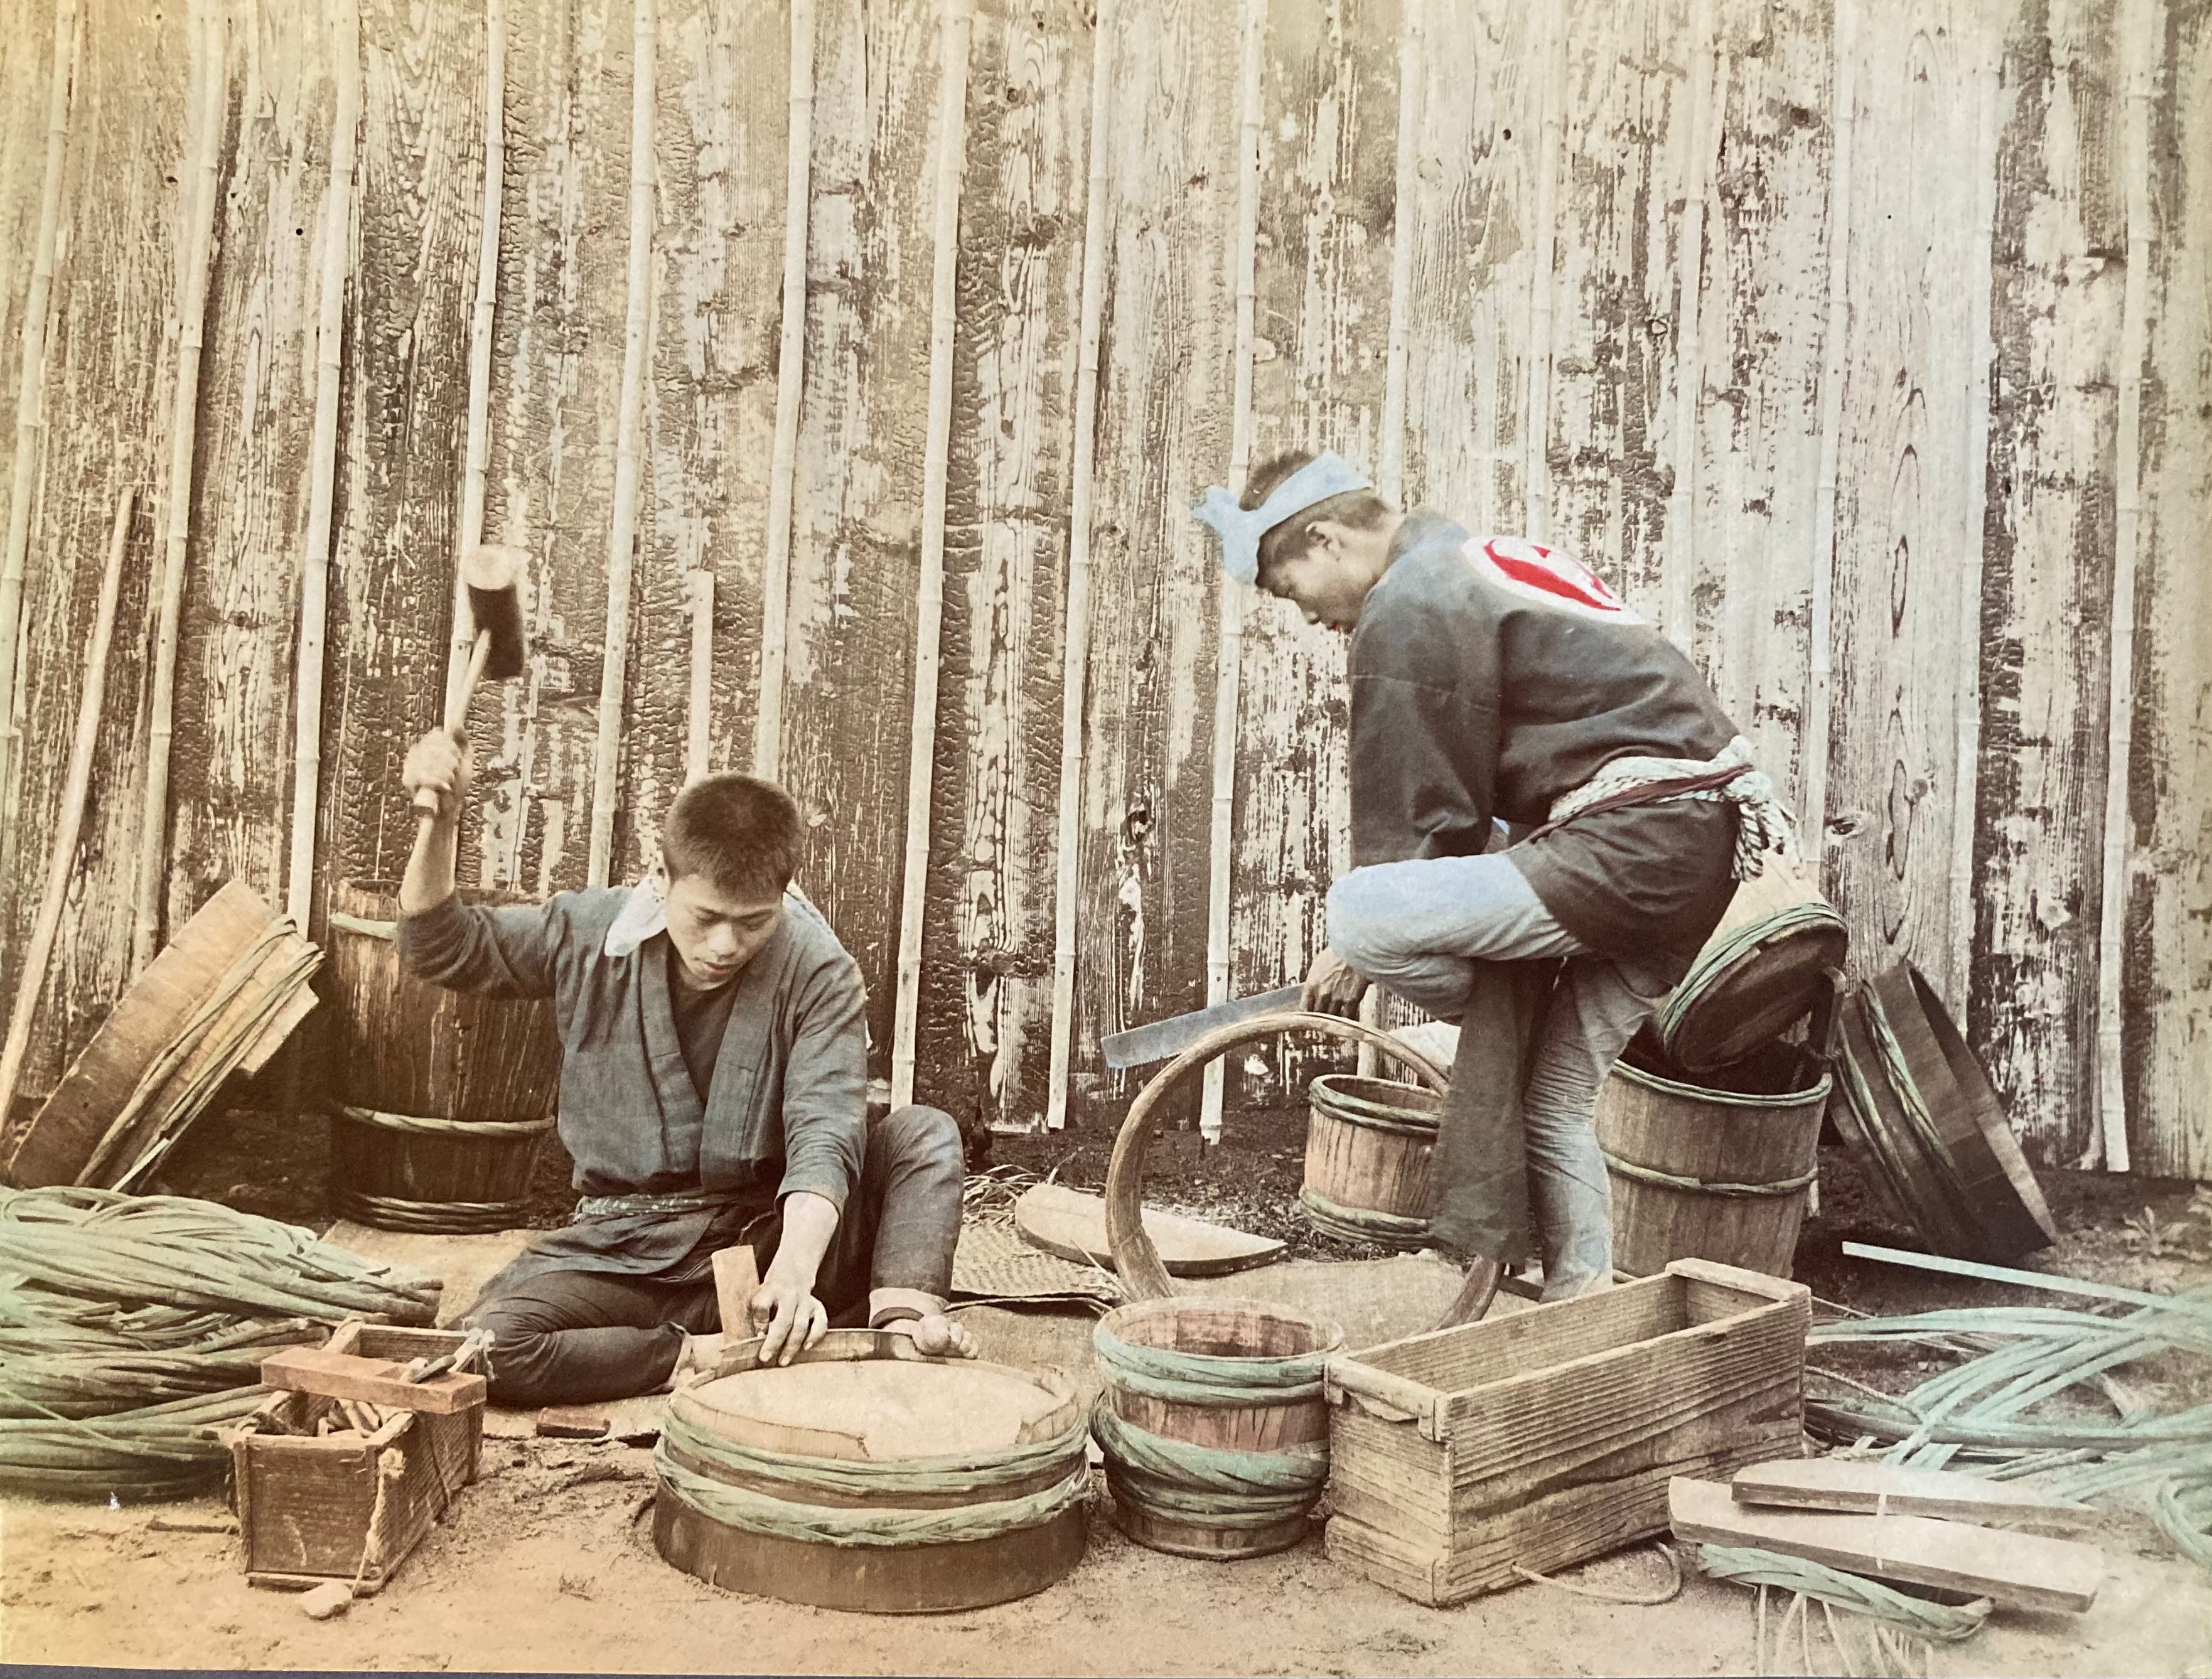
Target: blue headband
[[1326, 474]]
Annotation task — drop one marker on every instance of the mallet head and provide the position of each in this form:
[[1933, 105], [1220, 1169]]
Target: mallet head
[[493, 573]]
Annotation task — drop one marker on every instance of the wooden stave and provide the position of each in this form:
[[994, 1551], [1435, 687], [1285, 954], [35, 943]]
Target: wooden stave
[[1734, 1155], [1265, 1425], [402, 1046], [430, 1168]]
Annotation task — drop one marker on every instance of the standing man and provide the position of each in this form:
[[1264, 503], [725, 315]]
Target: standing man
[[1495, 681], [713, 1094]]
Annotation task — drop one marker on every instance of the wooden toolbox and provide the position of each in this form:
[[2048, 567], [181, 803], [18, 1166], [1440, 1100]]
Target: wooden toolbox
[[1546, 1437], [350, 1506]]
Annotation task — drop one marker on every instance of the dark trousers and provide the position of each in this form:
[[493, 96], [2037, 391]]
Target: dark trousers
[[572, 1337]]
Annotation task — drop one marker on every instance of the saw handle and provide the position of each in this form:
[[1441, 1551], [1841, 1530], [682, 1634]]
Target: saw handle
[[457, 717]]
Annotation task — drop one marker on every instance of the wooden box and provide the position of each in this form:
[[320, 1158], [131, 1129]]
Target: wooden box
[[345, 1506], [1547, 1436]]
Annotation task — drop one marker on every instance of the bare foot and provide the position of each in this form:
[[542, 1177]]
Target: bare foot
[[936, 1335], [700, 1354]]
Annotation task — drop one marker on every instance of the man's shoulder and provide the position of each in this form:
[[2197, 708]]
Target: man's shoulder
[[814, 942]]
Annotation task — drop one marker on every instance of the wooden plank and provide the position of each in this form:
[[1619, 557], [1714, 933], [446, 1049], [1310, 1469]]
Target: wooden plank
[[379, 1381], [987, 959], [858, 489], [2031, 1009], [1861, 1484], [1323, 279], [1163, 427], [230, 775], [404, 421], [1470, 225], [1903, 489], [1632, 88], [1072, 1223], [1758, 420], [737, 1275], [2019, 1570], [2167, 1021]]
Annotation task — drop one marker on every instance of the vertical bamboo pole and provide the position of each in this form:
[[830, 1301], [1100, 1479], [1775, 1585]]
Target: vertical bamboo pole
[[622, 540], [1812, 802], [1966, 734], [698, 741], [1075, 669], [2144, 32], [1390, 461], [954, 29], [1550, 72], [197, 189], [463, 639], [315, 550], [1222, 839], [30, 405], [1708, 95], [790, 370], [61, 859]]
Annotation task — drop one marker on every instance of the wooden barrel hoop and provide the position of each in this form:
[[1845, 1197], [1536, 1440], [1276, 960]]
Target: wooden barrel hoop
[[1370, 1145], [1763, 968], [1212, 1423]]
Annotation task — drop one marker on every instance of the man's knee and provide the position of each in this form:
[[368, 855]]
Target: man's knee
[[915, 1137], [1356, 924]]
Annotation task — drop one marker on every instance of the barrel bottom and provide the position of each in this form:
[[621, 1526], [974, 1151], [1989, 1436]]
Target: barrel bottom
[[1203, 1540], [872, 1579]]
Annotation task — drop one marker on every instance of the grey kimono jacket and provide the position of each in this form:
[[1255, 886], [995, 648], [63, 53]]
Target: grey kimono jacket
[[787, 1109]]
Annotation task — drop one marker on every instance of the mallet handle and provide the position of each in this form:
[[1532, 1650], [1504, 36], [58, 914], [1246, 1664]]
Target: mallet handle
[[457, 715]]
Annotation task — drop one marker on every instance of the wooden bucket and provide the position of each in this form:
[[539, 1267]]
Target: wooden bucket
[[866, 1476], [440, 1101], [1219, 1448], [1763, 970], [1368, 1145], [1721, 1175]]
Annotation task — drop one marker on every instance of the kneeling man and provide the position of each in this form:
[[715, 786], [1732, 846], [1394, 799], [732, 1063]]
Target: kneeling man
[[713, 1094]]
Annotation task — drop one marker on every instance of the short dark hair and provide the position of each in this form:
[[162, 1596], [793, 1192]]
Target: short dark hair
[[741, 832], [1361, 510]]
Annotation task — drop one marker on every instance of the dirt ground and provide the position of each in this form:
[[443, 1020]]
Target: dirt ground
[[548, 1564]]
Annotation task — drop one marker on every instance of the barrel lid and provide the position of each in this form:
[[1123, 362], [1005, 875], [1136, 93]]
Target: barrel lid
[[878, 1409], [1763, 970]]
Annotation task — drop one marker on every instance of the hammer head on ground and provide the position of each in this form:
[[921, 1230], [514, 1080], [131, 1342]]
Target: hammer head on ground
[[492, 575]]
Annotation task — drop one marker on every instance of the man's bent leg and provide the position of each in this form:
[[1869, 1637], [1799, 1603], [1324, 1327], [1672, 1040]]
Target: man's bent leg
[[576, 1337], [1594, 1012], [1418, 928], [894, 1245]]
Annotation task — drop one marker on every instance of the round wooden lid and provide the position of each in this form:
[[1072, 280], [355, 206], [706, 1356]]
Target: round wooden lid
[[878, 1409]]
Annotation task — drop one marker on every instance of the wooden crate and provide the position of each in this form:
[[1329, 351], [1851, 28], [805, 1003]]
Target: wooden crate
[[313, 1509], [1548, 1436]]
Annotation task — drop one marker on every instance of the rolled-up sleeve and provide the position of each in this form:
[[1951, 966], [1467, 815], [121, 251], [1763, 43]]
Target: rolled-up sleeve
[[826, 1102], [504, 952]]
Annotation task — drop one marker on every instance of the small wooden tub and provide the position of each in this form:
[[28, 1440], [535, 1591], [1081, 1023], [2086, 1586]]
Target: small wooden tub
[[440, 1101], [1368, 1147], [1721, 1175], [866, 1476], [1213, 1423], [1764, 969]]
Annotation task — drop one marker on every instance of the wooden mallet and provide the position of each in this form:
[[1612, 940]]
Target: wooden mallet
[[490, 575]]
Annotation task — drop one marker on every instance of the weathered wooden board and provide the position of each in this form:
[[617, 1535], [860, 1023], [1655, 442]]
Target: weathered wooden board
[[1321, 282], [986, 954], [110, 361], [401, 429], [1071, 1224], [1164, 423], [2046, 577], [378, 1381], [1866, 1485], [556, 378], [2166, 1018], [1750, 533], [1905, 479]]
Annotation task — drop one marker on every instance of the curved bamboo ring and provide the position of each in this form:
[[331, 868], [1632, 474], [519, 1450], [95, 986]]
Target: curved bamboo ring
[[1135, 1258]]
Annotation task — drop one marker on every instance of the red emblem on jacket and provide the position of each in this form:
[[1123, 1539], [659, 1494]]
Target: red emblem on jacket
[[1534, 572]]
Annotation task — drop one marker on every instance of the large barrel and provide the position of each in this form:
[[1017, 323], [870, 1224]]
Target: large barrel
[[1213, 1426], [440, 1100], [1369, 1146], [1762, 970], [866, 1476], [1711, 1174]]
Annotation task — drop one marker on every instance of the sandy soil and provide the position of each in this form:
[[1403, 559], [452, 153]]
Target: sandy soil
[[547, 1565]]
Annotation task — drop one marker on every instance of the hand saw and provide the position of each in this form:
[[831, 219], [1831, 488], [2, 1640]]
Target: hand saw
[[1142, 1045]]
